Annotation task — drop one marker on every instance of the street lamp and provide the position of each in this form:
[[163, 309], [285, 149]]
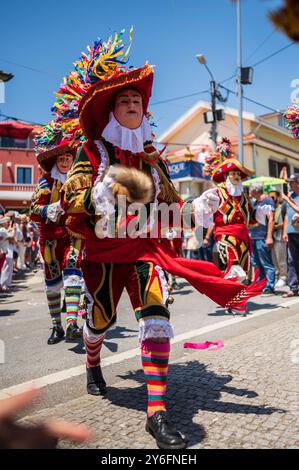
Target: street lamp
[[5, 77], [211, 117]]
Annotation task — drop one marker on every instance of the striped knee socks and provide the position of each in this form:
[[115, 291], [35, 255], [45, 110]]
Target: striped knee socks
[[54, 300], [93, 350], [154, 358], [72, 299]]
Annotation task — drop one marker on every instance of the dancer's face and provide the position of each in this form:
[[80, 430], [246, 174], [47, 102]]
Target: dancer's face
[[64, 162], [128, 110], [234, 176]]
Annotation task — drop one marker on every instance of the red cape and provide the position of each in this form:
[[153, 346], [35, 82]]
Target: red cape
[[203, 275]]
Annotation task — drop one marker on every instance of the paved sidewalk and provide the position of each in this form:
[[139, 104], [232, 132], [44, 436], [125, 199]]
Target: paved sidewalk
[[242, 396]]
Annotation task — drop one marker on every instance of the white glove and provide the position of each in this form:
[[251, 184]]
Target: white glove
[[102, 196], [261, 213], [205, 206], [54, 211]]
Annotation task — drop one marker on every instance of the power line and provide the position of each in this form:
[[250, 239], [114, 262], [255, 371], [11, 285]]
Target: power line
[[180, 97], [29, 68], [273, 54], [252, 101], [261, 61], [261, 45]]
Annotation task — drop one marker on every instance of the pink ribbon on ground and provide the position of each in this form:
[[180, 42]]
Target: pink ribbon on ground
[[206, 345]]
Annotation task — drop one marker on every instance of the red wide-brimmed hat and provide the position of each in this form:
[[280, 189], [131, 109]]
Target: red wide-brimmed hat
[[219, 174], [98, 101], [220, 162], [47, 158]]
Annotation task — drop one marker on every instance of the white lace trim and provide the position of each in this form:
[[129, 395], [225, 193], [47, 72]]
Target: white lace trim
[[156, 179], [89, 305], [57, 175], [89, 315], [54, 210], [164, 283], [153, 328], [90, 336], [70, 280], [54, 287], [127, 139], [103, 164]]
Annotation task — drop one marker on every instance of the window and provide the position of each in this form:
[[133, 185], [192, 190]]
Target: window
[[14, 143], [24, 175], [275, 168]]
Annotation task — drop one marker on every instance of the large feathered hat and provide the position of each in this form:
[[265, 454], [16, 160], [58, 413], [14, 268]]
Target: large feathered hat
[[98, 76], [220, 162], [53, 140], [63, 134]]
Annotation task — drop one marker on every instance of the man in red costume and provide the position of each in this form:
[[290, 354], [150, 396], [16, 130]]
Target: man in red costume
[[234, 213], [118, 160]]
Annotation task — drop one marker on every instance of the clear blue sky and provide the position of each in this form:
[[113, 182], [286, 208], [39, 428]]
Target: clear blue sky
[[49, 36]]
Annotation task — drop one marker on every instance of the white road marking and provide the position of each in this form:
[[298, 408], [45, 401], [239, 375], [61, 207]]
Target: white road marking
[[116, 358]]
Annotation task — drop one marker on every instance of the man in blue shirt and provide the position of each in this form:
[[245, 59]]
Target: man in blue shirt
[[262, 239], [291, 236]]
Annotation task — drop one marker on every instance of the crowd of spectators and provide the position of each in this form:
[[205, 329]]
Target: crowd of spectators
[[275, 245], [19, 249]]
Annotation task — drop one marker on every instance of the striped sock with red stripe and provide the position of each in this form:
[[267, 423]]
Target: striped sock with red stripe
[[54, 300], [72, 299], [154, 358], [93, 350]]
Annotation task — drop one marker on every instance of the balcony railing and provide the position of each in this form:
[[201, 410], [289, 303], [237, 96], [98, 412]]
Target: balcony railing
[[17, 187]]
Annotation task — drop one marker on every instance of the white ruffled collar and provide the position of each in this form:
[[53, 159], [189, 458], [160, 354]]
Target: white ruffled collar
[[234, 189], [127, 139], [57, 175]]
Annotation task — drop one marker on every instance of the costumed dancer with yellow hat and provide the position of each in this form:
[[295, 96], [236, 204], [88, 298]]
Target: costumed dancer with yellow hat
[[60, 251], [118, 162]]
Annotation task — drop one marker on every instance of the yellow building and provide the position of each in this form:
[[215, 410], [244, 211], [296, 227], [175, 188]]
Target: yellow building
[[268, 145]]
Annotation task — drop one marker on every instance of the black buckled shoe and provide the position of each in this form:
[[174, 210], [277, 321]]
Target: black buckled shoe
[[167, 437], [56, 335], [96, 384], [73, 332]]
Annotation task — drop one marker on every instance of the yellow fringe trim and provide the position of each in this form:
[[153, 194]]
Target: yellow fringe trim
[[168, 192], [77, 182], [80, 236]]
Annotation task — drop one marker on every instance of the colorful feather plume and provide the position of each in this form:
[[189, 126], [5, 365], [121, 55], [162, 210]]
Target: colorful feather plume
[[48, 137], [292, 118], [222, 152], [103, 61]]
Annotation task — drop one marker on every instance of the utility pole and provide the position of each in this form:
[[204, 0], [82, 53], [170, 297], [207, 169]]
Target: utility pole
[[211, 117], [213, 131], [239, 83]]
